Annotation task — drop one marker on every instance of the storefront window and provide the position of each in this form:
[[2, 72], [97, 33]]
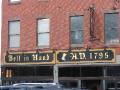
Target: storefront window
[[113, 71]]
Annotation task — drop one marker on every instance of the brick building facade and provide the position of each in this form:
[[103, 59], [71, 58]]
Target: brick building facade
[[72, 26]]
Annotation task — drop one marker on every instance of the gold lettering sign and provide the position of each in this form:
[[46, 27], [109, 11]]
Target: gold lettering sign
[[42, 58], [74, 56], [99, 55]]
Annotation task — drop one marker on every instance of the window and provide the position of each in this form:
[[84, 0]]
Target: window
[[111, 28], [14, 34], [43, 32], [76, 29]]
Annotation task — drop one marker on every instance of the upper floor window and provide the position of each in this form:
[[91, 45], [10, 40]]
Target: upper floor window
[[14, 34], [43, 32], [111, 28], [76, 29]]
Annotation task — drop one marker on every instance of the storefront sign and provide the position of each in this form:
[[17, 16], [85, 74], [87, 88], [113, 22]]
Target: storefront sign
[[98, 55], [73, 56], [45, 57]]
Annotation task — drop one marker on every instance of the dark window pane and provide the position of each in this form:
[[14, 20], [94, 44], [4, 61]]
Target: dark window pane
[[77, 23], [77, 37], [113, 71], [77, 30], [111, 28]]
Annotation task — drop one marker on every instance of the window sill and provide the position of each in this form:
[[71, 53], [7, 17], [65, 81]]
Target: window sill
[[42, 47], [43, 0], [14, 49], [77, 45], [14, 2], [112, 45]]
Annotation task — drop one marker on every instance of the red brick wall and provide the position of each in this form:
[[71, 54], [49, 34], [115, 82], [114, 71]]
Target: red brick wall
[[58, 11]]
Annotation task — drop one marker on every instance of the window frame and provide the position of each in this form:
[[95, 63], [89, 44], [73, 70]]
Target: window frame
[[108, 43], [72, 44], [12, 34], [38, 33]]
